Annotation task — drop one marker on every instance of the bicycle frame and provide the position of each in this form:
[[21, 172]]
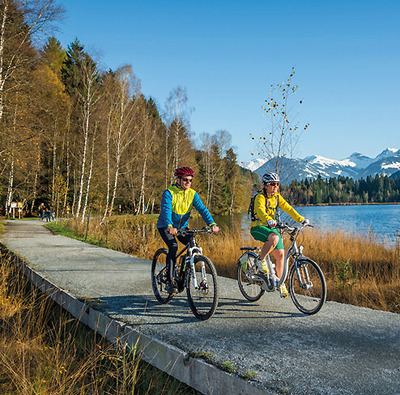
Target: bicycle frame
[[192, 250], [297, 254], [294, 251], [291, 251]]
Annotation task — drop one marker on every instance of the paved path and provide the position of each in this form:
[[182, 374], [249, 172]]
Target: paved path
[[341, 350]]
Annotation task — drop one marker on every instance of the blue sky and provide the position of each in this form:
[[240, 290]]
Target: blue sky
[[227, 54]]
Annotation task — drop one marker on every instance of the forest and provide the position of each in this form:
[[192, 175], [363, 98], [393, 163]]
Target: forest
[[373, 189], [76, 137]]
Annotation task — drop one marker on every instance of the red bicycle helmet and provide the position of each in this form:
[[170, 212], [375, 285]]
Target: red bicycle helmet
[[184, 172]]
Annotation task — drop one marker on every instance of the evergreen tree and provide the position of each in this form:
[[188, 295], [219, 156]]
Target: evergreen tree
[[378, 189], [53, 55]]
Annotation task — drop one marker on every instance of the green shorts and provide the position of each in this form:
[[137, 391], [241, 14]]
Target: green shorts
[[261, 233]]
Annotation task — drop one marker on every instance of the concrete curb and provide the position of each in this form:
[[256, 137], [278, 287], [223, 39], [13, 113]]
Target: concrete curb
[[194, 372]]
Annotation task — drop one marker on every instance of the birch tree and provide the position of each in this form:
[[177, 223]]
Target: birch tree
[[20, 21], [177, 115], [81, 78], [122, 128], [89, 178], [147, 150], [51, 110], [20, 153], [214, 148]]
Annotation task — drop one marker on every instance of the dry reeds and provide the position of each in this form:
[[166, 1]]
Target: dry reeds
[[359, 270], [43, 350]]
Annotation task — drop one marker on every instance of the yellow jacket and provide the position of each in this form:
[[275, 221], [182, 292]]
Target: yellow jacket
[[265, 212]]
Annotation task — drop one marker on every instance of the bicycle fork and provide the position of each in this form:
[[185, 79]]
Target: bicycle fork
[[203, 286], [192, 268], [307, 284]]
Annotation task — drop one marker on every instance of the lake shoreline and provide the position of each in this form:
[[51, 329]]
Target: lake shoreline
[[347, 204]]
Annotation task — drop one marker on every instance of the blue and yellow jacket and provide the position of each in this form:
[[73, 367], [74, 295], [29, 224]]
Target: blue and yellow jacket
[[265, 209], [176, 205]]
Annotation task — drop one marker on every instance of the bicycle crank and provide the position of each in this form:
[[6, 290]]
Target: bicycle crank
[[264, 281]]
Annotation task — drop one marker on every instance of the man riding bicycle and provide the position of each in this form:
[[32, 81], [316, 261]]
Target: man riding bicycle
[[176, 204], [264, 229]]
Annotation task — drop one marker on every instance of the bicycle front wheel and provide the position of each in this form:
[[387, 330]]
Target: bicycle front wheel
[[249, 287], [159, 276], [307, 286], [202, 288]]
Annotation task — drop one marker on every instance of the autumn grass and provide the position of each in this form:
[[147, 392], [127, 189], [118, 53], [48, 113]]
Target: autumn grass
[[358, 269], [44, 350]]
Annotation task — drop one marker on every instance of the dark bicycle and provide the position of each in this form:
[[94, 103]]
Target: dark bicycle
[[193, 271]]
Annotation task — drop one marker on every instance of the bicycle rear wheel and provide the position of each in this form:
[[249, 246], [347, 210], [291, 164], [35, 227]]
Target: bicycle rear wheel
[[159, 276], [202, 288], [307, 286], [250, 289]]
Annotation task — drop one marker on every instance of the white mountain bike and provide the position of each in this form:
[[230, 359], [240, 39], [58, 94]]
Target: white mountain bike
[[307, 286]]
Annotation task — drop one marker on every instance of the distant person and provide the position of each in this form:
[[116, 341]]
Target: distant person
[[41, 211], [53, 215], [263, 229], [48, 214], [176, 204]]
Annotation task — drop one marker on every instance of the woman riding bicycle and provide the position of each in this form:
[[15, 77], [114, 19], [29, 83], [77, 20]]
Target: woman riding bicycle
[[264, 229], [176, 204]]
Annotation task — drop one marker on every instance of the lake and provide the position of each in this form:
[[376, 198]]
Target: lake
[[380, 220]]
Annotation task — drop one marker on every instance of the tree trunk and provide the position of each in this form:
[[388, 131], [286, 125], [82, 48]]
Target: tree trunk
[[68, 165], [232, 197], [10, 184], [141, 207], [117, 165], [11, 177], [166, 158], [108, 165], [88, 182], [74, 195], [53, 181], [35, 182], [85, 143], [2, 35]]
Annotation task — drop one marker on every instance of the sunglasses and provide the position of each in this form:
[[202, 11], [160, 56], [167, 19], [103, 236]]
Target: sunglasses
[[186, 179], [273, 184]]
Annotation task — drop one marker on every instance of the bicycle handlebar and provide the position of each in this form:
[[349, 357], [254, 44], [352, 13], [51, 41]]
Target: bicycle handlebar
[[191, 232], [292, 229]]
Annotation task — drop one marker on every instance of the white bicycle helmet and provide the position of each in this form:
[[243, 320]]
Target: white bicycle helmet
[[270, 177]]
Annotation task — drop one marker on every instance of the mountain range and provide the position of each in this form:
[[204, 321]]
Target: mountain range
[[355, 166]]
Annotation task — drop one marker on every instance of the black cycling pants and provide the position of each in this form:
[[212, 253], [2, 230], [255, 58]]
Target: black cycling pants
[[172, 245]]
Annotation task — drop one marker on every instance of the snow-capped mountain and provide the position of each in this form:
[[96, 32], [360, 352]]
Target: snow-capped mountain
[[355, 166], [254, 164], [360, 160]]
